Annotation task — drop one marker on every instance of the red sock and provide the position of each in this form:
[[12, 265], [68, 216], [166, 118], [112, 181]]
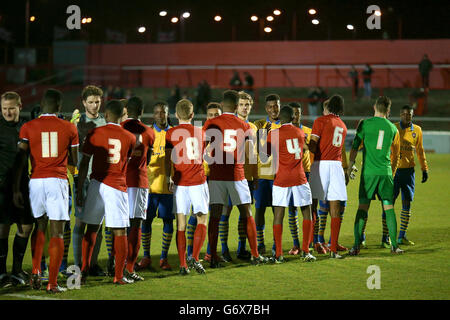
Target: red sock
[[56, 251], [121, 248], [251, 235], [37, 247], [134, 244], [181, 248], [213, 234], [278, 236], [335, 226], [199, 239], [308, 226], [87, 249]]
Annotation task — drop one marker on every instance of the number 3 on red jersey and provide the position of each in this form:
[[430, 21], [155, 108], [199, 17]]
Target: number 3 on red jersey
[[114, 152]]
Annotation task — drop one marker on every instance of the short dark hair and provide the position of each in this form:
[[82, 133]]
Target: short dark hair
[[383, 104], [295, 105], [115, 107], [231, 96], [272, 97], [286, 113], [52, 100], [91, 91], [135, 106], [163, 104], [336, 104], [214, 105], [407, 107]]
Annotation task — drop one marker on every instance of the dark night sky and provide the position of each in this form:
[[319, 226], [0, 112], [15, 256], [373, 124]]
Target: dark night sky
[[415, 20]]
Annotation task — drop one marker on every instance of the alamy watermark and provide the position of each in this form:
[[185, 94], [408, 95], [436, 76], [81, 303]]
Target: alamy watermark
[[374, 280]]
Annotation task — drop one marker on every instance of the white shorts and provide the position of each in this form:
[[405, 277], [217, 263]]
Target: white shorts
[[50, 196], [103, 201], [301, 196], [137, 202], [237, 191], [186, 196], [327, 180]]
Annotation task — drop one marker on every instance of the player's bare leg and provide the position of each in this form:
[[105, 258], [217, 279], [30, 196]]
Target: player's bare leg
[[278, 233], [245, 209], [134, 244], [181, 243], [307, 228], [56, 252], [213, 233], [335, 210], [199, 239]]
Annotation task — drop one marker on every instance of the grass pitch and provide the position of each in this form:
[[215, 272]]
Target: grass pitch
[[423, 272]]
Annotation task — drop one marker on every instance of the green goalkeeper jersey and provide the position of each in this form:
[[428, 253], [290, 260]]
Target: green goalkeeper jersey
[[377, 135]]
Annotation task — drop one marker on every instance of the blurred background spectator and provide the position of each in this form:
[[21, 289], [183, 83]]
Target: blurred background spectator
[[425, 67]]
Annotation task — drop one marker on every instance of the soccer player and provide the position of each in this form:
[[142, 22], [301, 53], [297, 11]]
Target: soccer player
[[378, 135], [251, 175], [290, 185], [410, 140], [110, 147], [48, 140], [137, 181], [213, 109], [184, 148], [230, 140], [91, 97], [263, 194], [306, 159], [327, 176], [10, 124], [160, 197]]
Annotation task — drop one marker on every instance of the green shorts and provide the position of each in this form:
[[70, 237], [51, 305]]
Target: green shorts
[[369, 186]]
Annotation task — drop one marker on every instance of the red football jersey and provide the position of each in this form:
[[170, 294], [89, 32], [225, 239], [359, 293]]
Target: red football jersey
[[49, 139], [286, 145], [186, 142], [228, 134], [111, 146], [331, 131], [137, 166]]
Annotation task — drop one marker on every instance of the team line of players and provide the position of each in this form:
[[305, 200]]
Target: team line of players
[[118, 190]]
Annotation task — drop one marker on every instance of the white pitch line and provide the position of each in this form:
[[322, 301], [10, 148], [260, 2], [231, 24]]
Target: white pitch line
[[24, 296]]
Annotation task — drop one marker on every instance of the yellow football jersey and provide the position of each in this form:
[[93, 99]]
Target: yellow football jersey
[[306, 154], [266, 170], [411, 139], [156, 170]]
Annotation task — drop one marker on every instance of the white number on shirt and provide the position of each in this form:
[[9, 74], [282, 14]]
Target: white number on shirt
[[380, 139], [293, 147], [114, 152], [49, 144], [192, 149], [337, 136], [228, 139]]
